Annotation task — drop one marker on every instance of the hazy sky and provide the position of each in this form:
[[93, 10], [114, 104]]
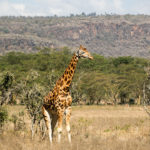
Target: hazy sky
[[67, 7]]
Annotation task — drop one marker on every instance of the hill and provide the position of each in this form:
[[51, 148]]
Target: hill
[[108, 35]]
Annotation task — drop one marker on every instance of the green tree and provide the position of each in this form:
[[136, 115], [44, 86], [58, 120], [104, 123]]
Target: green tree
[[6, 80]]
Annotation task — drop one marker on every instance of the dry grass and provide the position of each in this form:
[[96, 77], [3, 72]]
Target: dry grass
[[93, 128]]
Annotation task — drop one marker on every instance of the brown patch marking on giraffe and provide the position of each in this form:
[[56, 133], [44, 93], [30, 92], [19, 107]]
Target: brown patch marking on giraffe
[[71, 71], [70, 74], [65, 78], [71, 64], [73, 67], [68, 82]]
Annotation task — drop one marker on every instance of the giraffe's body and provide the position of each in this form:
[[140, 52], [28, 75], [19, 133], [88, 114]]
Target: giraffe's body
[[59, 99]]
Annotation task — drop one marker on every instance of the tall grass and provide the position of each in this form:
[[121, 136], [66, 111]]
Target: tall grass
[[92, 128]]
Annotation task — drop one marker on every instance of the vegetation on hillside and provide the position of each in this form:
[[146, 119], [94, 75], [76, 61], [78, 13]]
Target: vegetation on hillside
[[108, 35], [115, 80]]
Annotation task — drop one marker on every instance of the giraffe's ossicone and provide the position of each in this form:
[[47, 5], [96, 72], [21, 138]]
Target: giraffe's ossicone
[[58, 101]]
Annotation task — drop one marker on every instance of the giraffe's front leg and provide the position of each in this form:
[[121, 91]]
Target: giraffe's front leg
[[68, 115]]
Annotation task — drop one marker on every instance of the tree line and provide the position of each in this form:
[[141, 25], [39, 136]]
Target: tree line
[[116, 80]]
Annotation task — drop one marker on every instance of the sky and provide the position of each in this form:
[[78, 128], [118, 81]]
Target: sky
[[67, 7]]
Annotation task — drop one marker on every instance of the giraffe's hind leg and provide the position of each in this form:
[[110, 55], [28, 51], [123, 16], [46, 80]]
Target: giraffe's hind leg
[[47, 118], [59, 128], [68, 115]]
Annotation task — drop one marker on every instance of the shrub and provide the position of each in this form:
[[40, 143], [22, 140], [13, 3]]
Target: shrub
[[3, 116]]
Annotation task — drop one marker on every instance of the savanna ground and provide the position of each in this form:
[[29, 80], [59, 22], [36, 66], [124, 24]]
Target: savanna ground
[[93, 128]]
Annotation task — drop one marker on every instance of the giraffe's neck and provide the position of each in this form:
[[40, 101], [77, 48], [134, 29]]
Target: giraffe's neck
[[66, 79]]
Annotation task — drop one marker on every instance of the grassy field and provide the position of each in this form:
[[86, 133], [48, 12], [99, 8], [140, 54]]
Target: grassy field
[[92, 128]]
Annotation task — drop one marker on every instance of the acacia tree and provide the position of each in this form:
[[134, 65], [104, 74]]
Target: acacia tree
[[33, 99], [146, 92], [76, 92], [135, 83], [32, 95], [96, 87], [114, 87]]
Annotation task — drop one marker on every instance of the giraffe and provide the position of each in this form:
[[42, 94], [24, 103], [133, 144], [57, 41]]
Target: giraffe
[[58, 101]]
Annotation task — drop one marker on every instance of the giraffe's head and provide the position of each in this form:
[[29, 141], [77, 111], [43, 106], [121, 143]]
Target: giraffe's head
[[82, 52]]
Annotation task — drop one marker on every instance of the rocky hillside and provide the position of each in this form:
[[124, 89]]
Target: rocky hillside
[[108, 35]]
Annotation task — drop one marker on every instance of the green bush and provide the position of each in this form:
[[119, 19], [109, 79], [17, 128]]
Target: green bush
[[3, 116]]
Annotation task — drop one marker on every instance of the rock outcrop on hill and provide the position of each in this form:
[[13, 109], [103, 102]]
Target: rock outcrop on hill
[[107, 35]]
